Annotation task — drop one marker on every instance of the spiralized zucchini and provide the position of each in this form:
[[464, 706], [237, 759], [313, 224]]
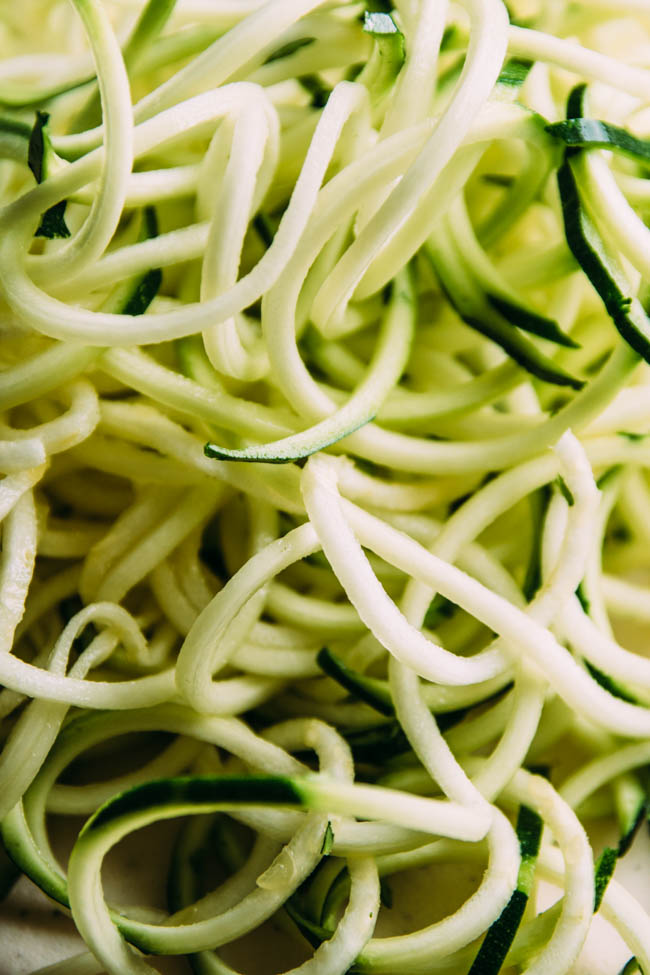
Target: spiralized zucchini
[[325, 436]]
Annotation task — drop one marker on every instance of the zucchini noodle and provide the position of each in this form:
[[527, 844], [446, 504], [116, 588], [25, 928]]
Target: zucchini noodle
[[324, 460]]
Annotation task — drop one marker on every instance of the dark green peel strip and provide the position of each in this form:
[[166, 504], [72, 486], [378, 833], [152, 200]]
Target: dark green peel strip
[[629, 835], [36, 149], [328, 840], [440, 608], [630, 968], [143, 293], [588, 248], [52, 223], [288, 49], [135, 295], [501, 933], [484, 318], [611, 686], [196, 791], [603, 872], [522, 351], [590, 133], [378, 745], [313, 933], [318, 90], [368, 689], [538, 504], [529, 321], [260, 454], [500, 936], [514, 72]]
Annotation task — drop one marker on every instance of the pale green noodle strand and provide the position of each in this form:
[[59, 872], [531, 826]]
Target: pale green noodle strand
[[324, 479]]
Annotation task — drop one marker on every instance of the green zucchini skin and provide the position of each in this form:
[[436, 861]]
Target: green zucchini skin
[[197, 792], [501, 934], [588, 248]]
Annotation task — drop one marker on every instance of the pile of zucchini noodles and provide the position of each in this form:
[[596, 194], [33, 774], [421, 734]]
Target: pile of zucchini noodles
[[325, 511]]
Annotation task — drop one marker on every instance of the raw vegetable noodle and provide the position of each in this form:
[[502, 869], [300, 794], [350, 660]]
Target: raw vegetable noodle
[[325, 502]]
